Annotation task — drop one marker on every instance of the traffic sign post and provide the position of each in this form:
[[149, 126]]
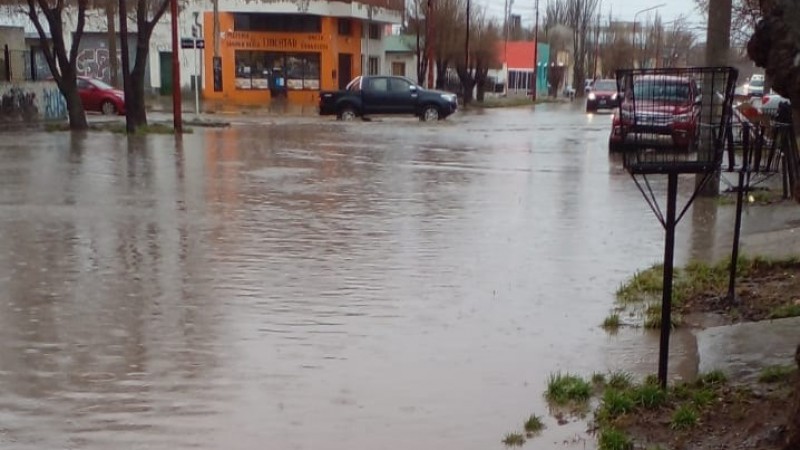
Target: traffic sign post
[[199, 45]]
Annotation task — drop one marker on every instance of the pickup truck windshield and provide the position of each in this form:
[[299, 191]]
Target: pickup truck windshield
[[663, 92], [354, 85]]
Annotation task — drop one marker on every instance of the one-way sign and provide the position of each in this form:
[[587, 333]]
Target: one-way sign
[[193, 43]]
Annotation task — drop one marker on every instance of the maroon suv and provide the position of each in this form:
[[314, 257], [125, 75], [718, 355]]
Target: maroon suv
[[661, 111]]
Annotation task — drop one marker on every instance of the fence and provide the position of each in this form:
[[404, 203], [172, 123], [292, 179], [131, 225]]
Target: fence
[[23, 65]]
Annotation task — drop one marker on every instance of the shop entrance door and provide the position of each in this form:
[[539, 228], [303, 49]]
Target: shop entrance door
[[345, 69]]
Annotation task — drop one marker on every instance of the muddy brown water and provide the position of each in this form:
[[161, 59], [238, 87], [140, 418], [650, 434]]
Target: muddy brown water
[[317, 285]]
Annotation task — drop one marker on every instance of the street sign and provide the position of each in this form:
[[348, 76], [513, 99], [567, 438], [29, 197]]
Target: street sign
[[190, 43]]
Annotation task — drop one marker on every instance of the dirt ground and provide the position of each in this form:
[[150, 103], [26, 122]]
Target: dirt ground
[[742, 416]]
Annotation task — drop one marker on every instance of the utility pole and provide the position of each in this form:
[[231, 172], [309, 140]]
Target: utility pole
[[126, 73], [177, 121], [535, 78], [429, 42], [466, 55]]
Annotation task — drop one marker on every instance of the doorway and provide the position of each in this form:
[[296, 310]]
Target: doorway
[[165, 72], [345, 69]]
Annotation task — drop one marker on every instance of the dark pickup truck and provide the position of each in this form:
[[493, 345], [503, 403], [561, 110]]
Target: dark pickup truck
[[374, 95]]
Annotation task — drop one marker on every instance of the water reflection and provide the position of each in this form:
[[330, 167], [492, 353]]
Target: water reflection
[[320, 285]]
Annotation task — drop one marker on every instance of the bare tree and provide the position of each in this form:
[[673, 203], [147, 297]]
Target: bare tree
[[579, 17], [616, 50], [61, 61], [147, 15], [744, 17], [110, 7]]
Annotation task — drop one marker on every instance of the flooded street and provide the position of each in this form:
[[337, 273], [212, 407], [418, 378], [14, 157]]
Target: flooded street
[[319, 285]]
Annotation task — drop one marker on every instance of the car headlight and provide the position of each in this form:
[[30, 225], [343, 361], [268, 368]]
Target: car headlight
[[682, 118], [449, 97], [592, 96], [614, 96], [120, 96]]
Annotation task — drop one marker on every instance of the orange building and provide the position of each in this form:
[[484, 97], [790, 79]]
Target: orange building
[[263, 56]]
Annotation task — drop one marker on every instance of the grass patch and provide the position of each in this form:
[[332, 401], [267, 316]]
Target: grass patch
[[643, 283], [612, 322], [683, 418], [652, 318], [785, 311], [703, 397], [533, 425], [513, 440], [649, 396], [614, 404], [714, 378], [598, 379], [613, 439], [564, 388], [775, 374], [620, 380]]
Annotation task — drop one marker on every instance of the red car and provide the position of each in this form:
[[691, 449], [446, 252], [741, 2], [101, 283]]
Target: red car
[[662, 112], [603, 95], [99, 96]]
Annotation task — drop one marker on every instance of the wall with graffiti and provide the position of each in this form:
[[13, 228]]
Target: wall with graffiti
[[94, 58], [31, 101]]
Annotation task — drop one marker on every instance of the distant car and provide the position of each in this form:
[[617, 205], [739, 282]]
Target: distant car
[[666, 114], [768, 104], [374, 95], [569, 91], [96, 95], [602, 96], [588, 85], [755, 88]]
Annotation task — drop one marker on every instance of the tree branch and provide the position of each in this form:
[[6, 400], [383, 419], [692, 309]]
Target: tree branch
[[76, 38], [161, 10], [43, 42]]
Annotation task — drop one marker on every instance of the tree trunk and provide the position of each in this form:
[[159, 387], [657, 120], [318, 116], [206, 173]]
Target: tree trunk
[[135, 102], [75, 112], [112, 42], [441, 69]]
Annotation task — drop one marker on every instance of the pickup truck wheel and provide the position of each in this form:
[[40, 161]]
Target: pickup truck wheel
[[430, 113], [347, 113]]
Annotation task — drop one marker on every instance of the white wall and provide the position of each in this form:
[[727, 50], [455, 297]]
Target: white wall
[[410, 61]]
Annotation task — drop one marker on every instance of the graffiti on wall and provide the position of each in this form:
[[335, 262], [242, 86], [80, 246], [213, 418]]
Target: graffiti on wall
[[96, 63], [31, 101], [18, 104], [55, 106]]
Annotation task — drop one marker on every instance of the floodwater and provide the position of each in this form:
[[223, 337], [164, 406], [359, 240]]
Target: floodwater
[[318, 285]]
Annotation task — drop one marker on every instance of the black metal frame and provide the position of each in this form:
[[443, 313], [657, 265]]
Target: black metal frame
[[669, 125]]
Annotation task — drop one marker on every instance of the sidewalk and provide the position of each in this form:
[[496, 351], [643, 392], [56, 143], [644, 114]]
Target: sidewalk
[[276, 108]]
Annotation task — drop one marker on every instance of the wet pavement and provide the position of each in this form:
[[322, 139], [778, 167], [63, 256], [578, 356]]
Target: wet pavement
[[303, 284]]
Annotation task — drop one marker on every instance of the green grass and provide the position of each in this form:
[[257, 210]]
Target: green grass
[[784, 311], [598, 379], [713, 379], [613, 439], [620, 380], [565, 388], [614, 404], [652, 317], [703, 397], [683, 418], [649, 396], [533, 425], [513, 440], [649, 281], [775, 374], [612, 322]]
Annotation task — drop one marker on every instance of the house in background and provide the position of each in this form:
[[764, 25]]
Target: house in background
[[516, 70], [401, 56]]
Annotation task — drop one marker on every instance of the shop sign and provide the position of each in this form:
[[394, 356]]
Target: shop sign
[[243, 40]]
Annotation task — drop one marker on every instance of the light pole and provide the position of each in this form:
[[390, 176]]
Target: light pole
[[535, 52], [467, 94], [634, 27]]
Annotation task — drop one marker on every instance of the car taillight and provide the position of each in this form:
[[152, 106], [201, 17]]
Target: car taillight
[[764, 99]]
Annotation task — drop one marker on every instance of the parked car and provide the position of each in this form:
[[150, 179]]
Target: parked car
[[587, 85], [99, 96], [602, 96], [666, 114], [374, 95], [768, 104]]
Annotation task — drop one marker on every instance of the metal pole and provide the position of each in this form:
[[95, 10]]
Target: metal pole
[[126, 72], [429, 42], [466, 53], [666, 300], [535, 51], [738, 220], [197, 81], [177, 121]]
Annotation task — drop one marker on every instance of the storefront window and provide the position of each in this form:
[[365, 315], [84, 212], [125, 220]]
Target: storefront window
[[277, 71]]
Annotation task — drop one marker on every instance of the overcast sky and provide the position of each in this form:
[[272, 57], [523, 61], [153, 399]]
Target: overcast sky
[[622, 9]]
